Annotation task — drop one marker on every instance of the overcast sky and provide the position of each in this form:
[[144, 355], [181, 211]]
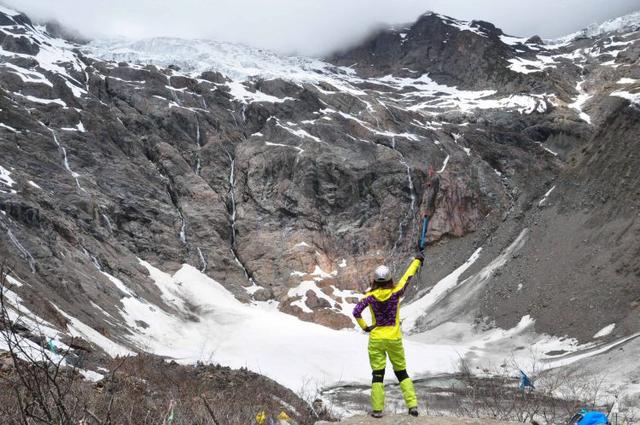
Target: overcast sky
[[311, 27]]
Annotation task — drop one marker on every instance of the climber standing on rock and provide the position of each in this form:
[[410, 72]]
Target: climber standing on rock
[[385, 336]]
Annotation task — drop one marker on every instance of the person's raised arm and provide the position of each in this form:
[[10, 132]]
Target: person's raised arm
[[411, 271]]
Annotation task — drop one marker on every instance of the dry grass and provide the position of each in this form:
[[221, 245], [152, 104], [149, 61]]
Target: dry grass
[[142, 390]]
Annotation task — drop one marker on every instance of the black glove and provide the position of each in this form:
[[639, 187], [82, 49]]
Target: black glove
[[369, 328], [420, 256]]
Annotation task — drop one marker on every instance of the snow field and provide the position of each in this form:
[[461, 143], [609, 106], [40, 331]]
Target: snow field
[[264, 340]]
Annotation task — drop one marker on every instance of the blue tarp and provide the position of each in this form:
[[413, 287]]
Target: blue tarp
[[593, 418], [525, 382]]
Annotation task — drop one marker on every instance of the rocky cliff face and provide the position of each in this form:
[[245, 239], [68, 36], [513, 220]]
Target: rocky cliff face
[[288, 191], [472, 55]]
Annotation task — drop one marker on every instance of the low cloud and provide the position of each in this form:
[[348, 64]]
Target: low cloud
[[308, 27]]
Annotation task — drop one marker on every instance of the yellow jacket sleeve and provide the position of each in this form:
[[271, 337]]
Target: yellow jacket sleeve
[[411, 271], [362, 323]]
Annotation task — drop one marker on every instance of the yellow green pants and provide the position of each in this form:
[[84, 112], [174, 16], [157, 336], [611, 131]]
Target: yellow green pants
[[379, 349]]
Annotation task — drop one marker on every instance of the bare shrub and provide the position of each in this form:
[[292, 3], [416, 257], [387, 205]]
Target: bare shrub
[[558, 394]]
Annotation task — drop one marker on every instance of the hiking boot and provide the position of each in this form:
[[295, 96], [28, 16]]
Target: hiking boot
[[376, 414], [413, 411]]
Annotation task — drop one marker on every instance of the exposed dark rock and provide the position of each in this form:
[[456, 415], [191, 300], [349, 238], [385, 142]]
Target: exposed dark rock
[[438, 45], [263, 294], [20, 44], [534, 40], [22, 212]]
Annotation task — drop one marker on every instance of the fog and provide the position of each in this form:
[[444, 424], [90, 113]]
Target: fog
[[308, 27]]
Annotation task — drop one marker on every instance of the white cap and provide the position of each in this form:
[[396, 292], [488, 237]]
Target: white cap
[[382, 274]]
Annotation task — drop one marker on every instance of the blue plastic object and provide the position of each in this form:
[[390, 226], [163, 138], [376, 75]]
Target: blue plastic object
[[593, 418], [525, 382], [423, 236], [51, 345]]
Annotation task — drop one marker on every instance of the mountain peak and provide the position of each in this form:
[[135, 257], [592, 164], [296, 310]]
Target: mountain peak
[[621, 24], [451, 51]]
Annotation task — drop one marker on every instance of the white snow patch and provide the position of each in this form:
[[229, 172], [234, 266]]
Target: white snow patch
[[78, 329], [337, 300], [241, 93], [100, 309], [426, 94], [586, 351], [444, 164], [300, 133], [18, 313], [253, 288], [299, 149], [30, 351], [79, 128], [5, 177], [580, 101], [27, 76], [462, 25], [341, 303], [42, 101], [90, 375], [301, 291], [77, 91], [13, 281], [606, 331], [118, 284], [8, 127], [512, 41], [634, 98], [627, 81], [321, 274], [33, 184], [546, 196], [413, 311], [527, 66]]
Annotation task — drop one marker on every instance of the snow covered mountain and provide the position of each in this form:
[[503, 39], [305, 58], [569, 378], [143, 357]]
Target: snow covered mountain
[[621, 25], [207, 201]]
